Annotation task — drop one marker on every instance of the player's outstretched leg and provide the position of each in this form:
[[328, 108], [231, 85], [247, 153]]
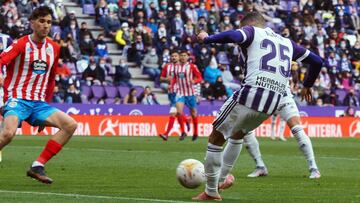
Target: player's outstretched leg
[[212, 167], [252, 145], [230, 155], [67, 127]]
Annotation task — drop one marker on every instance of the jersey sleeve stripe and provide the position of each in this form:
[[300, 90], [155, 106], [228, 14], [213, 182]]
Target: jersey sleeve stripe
[[306, 54], [244, 35]]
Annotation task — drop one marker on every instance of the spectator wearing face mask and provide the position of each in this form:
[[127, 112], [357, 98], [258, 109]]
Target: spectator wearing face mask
[[345, 64], [192, 13], [24, 9], [189, 33], [124, 13], [150, 65], [72, 95], [93, 74], [325, 80], [343, 21], [351, 99], [225, 23], [67, 20], [202, 12], [101, 12], [226, 11], [84, 31], [73, 30], [177, 26], [122, 75], [87, 47], [212, 72], [101, 47], [203, 59]]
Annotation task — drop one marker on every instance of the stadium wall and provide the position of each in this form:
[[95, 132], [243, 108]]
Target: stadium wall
[[96, 125]]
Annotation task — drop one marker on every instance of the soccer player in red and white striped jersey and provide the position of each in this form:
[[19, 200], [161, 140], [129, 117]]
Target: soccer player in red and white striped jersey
[[31, 63], [186, 76]]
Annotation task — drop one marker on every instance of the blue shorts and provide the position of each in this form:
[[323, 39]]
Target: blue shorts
[[172, 99], [189, 101], [33, 112]]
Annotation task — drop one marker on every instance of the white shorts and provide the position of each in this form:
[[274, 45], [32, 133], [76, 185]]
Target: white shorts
[[234, 117], [173, 109], [287, 108]]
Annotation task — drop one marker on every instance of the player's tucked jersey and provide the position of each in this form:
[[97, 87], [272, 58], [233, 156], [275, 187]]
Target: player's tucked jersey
[[185, 77], [169, 71], [30, 69], [267, 59]]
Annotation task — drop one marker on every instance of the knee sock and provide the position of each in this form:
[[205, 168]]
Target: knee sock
[[231, 153], [170, 124], [305, 145], [252, 145], [50, 150], [181, 120], [212, 169], [195, 122]]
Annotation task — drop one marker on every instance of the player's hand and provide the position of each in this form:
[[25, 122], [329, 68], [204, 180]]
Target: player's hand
[[306, 94], [202, 35], [1, 80]]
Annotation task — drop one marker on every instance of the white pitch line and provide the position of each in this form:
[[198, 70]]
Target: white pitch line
[[90, 196], [341, 158]]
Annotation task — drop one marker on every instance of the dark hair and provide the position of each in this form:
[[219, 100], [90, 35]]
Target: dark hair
[[184, 51], [174, 51], [253, 18], [41, 11]]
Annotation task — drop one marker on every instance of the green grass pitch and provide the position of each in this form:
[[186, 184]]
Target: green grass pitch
[[142, 169]]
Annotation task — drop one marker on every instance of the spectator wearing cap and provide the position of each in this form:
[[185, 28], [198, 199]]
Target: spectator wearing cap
[[101, 12], [351, 99], [239, 12], [122, 75], [124, 13], [122, 36]]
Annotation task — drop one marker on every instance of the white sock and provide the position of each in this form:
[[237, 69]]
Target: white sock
[[230, 155], [305, 145], [273, 123], [252, 145], [282, 128], [36, 163], [212, 169]]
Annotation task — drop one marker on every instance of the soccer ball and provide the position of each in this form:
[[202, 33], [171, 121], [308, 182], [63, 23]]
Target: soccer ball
[[190, 173]]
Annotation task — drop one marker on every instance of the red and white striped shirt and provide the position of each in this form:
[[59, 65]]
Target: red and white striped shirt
[[186, 76], [169, 71], [30, 71]]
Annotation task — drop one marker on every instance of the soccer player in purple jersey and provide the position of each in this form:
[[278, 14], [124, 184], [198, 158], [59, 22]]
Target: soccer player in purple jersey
[[267, 57]]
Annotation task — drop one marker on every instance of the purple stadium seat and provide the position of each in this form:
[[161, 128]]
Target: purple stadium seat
[[218, 103], [109, 100], [89, 9], [111, 92], [205, 103], [98, 91], [139, 90], [93, 100], [341, 95], [86, 91], [123, 91]]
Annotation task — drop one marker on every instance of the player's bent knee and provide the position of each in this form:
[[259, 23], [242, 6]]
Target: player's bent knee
[[293, 121], [70, 126], [216, 138], [7, 134]]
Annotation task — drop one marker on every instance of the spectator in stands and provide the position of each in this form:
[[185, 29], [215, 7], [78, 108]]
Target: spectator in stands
[[331, 99], [319, 102], [124, 13], [351, 99], [177, 25], [58, 95], [101, 12], [74, 49], [228, 79], [111, 25], [59, 11], [212, 72], [72, 95], [207, 91], [84, 31], [24, 9], [212, 26], [66, 20], [355, 55], [203, 59], [345, 64], [101, 47], [137, 50], [87, 46], [346, 81], [147, 97], [325, 81], [349, 112], [72, 30], [63, 71], [356, 79], [131, 97], [93, 74], [150, 65], [219, 89], [122, 75]]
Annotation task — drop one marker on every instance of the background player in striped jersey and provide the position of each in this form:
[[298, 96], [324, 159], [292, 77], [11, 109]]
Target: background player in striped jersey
[[31, 64], [267, 58], [5, 42], [167, 75], [186, 76]]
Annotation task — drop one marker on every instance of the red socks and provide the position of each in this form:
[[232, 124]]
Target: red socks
[[181, 120], [170, 125], [195, 122], [50, 150]]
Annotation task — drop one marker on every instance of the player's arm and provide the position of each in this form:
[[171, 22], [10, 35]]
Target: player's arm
[[315, 63], [51, 81], [197, 75], [163, 75], [8, 55], [240, 36]]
